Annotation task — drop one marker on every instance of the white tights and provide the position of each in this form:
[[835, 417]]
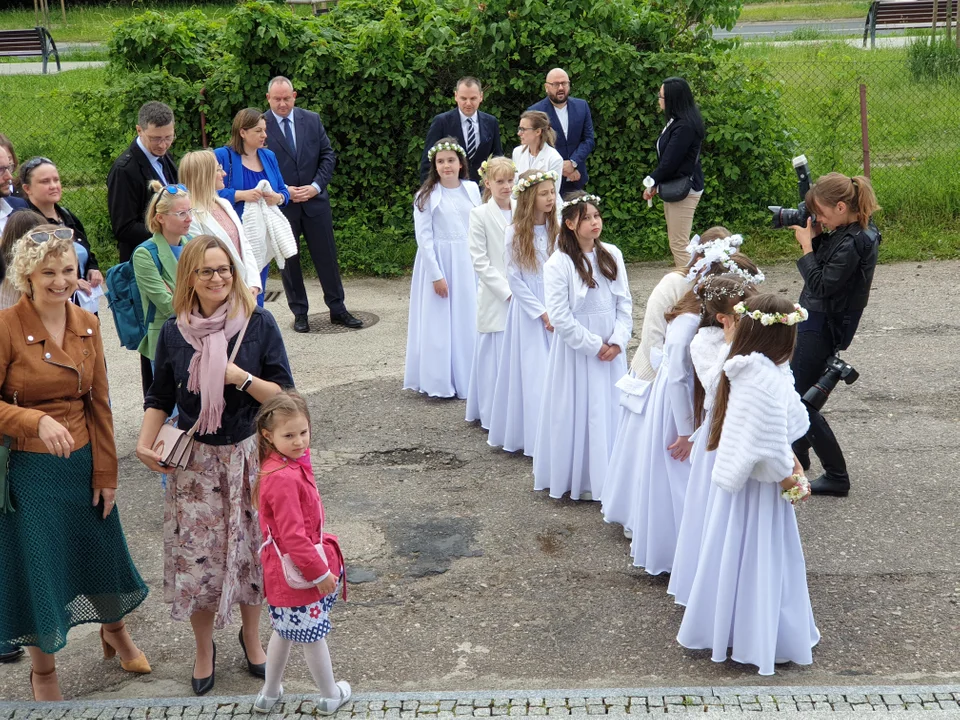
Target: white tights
[[318, 661]]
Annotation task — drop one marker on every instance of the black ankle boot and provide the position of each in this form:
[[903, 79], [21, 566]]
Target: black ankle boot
[[836, 487]]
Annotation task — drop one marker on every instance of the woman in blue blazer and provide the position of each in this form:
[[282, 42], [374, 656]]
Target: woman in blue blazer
[[246, 162]]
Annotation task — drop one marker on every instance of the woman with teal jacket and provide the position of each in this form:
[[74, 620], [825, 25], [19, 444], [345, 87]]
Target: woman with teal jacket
[[155, 260]]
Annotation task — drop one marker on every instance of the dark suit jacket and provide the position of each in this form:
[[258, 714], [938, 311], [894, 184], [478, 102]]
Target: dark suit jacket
[[16, 203], [579, 142], [448, 125], [678, 148], [313, 161], [128, 193]]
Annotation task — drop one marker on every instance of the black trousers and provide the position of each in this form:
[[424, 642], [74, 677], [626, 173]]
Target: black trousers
[[808, 364], [318, 232], [146, 374]]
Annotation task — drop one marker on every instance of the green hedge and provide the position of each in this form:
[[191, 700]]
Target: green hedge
[[378, 70]]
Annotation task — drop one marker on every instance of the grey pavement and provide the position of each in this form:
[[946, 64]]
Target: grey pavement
[[467, 583], [785, 27], [36, 68]]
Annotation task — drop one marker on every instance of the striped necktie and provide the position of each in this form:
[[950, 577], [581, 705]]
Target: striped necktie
[[471, 138]]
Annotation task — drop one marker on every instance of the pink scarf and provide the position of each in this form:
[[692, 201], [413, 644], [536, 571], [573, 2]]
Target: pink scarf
[[208, 366]]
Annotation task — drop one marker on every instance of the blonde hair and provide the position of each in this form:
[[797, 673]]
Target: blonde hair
[[28, 255], [191, 260], [497, 168], [198, 171], [539, 120], [161, 202], [284, 405], [524, 248], [856, 192]]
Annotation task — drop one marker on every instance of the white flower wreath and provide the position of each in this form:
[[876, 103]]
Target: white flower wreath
[[528, 182], [441, 146], [718, 251], [593, 199], [798, 315]]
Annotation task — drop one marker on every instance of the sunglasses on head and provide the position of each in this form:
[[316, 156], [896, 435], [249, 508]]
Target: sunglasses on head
[[40, 236], [174, 189]]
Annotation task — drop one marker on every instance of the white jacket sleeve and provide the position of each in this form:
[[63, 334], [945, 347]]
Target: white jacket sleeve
[[557, 281], [623, 327], [522, 293], [679, 371], [423, 227], [487, 274], [664, 296]]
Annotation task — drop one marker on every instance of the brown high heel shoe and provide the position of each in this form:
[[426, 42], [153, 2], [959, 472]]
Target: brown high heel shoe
[[33, 673], [137, 665]]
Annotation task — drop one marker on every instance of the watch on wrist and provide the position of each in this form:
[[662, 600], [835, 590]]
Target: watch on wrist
[[574, 163], [242, 387]]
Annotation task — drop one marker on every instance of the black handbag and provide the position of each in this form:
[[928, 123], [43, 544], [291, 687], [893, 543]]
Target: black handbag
[[677, 189]]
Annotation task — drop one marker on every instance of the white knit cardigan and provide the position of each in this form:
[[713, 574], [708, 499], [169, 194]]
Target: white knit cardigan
[[268, 231], [764, 416]]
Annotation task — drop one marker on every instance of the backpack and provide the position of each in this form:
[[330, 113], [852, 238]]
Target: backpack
[[123, 296]]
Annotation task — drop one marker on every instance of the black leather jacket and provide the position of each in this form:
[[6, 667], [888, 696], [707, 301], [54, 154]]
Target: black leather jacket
[[838, 274]]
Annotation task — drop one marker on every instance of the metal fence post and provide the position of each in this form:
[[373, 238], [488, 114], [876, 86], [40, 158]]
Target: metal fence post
[[863, 130]]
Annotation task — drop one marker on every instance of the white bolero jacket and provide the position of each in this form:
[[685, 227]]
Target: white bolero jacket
[[564, 293], [204, 223], [764, 416], [487, 230]]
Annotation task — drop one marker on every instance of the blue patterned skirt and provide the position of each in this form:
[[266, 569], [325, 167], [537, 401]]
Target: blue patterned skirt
[[305, 623]]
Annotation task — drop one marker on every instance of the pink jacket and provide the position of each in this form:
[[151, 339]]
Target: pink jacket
[[291, 512]]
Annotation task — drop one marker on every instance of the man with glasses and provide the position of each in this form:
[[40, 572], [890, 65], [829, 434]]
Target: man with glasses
[[570, 118], [146, 159], [8, 203]]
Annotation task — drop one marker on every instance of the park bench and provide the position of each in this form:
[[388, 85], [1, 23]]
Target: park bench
[[35, 42], [903, 15], [319, 6]]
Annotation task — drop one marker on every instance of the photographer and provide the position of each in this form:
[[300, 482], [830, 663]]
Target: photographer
[[837, 268]]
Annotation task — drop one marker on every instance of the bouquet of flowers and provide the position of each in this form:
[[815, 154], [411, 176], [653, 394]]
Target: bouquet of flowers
[[799, 492]]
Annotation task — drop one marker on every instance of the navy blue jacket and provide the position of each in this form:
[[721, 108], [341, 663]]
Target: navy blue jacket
[[448, 125], [262, 353], [232, 164], [313, 160], [678, 148], [580, 142]]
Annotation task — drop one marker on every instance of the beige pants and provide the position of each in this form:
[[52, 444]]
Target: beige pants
[[679, 217]]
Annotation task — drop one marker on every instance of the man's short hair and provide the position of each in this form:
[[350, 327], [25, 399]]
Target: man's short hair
[[278, 79], [154, 113], [468, 80]]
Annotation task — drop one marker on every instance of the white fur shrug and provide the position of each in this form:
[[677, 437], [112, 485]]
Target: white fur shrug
[[708, 352]]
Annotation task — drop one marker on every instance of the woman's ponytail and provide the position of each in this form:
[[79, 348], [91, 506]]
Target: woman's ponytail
[[866, 200]]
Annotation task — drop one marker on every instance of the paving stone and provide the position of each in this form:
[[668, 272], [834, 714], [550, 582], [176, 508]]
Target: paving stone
[[409, 705], [498, 710], [596, 710], [483, 702], [802, 705], [481, 712], [556, 702], [764, 707], [949, 705], [447, 705], [242, 716], [673, 700], [875, 699], [518, 710], [537, 711], [428, 707], [856, 699], [392, 713], [579, 712], [463, 710], [730, 699], [841, 706], [557, 710], [445, 715], [392, 704], [617, 701], [862, 707]]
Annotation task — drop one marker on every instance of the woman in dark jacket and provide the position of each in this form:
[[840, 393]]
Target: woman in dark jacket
[[210, 533], [678, 150], [839, 257]]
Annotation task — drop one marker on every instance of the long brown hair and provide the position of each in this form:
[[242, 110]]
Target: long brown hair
[[856, 192], [433, 177], [524, 248], [717, 294], [282, 406], [243, 120], [775, 341], [569, 244], [191, 259]]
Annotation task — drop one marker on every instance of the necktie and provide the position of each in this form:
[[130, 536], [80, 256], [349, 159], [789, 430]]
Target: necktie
[[159, 166], [288, 133], [471, 138]]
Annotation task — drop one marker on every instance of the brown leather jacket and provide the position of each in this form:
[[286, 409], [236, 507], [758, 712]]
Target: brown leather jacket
[[69, 384]]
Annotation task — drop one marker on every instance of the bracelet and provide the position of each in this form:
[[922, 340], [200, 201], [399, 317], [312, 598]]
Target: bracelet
[[242, 387]]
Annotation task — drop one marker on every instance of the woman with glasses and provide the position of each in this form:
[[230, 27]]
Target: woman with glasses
[[40, 184], [536, 149], [212, 215], [63, 557], [678, 177], [210, 533], [155, 264]]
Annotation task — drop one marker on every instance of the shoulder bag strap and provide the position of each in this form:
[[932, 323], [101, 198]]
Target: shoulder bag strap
[[233, 356]]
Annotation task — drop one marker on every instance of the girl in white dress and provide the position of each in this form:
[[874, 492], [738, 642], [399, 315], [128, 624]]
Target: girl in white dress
[[588, 301], [750, 589], [488, 223], [443, 293], [631, 457], [537, 150], [708, 351], [526, 342]]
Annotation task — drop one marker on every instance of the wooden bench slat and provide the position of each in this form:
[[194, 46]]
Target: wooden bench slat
[[29, 43]]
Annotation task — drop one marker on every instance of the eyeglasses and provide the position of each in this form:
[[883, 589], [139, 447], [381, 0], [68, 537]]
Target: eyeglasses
[[224, 271], [165, 140], [521, 130], [40, 236], [181, 215], [7, 169], [174, 189], [561, 83]]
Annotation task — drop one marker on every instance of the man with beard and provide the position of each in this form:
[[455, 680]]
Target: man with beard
[[8, 203], [570, 119]]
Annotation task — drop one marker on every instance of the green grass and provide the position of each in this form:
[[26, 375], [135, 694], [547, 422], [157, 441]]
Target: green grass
[[774, 11]]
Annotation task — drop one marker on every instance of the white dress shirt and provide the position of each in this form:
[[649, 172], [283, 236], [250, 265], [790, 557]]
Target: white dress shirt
[[5, 212], [154, 160], [564, 117]]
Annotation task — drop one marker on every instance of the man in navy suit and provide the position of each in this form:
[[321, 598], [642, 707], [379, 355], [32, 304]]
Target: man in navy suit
[[8, 203], [570, 119], [477, 132], [306, 161]]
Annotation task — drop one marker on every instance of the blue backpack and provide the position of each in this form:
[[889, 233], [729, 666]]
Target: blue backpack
[[124, 299]]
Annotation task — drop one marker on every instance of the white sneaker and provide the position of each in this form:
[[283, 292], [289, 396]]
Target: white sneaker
[[328, 706], [264, 704], [628, 534]]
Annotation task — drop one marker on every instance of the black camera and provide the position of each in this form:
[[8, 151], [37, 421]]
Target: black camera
[[836, 371], [785, 217]]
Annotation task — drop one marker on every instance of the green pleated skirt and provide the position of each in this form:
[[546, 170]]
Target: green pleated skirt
[[61, 563]]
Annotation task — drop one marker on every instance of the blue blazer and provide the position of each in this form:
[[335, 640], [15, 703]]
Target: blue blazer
[[232, 163], [448, 125], [16, 203], [313, 160], [580, 142]]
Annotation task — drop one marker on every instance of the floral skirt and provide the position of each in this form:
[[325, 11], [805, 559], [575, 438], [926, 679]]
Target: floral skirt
[[210, 533], [306, 623]]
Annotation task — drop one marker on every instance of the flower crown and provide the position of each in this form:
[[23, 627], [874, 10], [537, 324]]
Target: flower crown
[[593, 199], [706, 291], [528, 182], [482, 171], [798, 315], [719, 251], [441, 146]]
